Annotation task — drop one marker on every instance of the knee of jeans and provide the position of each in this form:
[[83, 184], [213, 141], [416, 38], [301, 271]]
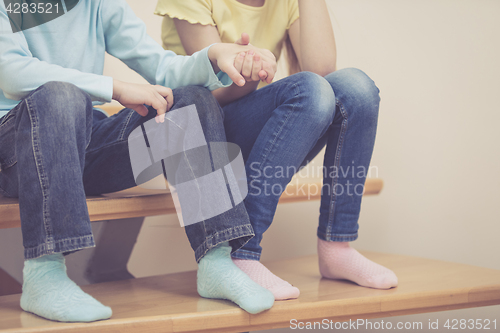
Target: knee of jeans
[[317, 98], [354, 88], [202, 97], [63, 101], [193, 93]]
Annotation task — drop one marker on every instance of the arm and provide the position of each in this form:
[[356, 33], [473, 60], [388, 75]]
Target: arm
[[228, 58], [313, 39], [21, 73], [126, 38], [195, 37]]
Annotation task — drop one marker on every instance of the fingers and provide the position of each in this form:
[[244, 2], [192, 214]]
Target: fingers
[[159, 103], [160, 118], [256, 65], [262, 75], [246, 70], [164, 98], [140, 109], [238, 61], [163, 91], [256, 68], [233, 74], [270, 70], [170, 100], [139, 96]]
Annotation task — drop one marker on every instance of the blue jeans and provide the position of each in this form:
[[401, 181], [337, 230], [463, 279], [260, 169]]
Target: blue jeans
[[55, 149], [282, 126]]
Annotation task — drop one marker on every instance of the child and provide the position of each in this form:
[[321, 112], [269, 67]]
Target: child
[[282, 126], [55, 147]]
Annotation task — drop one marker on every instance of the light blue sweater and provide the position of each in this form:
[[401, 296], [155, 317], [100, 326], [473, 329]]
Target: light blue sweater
[[71, 48]]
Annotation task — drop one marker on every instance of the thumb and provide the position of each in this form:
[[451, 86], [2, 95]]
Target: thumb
[[233, 74], [244, 40]]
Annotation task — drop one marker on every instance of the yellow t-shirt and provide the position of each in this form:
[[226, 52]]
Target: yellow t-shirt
[[267, 25]]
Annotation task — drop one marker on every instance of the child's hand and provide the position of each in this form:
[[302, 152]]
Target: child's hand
[[251, 63], [135, 96], [229, 59]]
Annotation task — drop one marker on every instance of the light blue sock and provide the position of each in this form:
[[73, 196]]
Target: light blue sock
[[219, 277], [49, 293]]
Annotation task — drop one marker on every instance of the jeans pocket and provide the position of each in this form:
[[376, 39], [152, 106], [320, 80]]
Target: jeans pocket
[[7, 141]]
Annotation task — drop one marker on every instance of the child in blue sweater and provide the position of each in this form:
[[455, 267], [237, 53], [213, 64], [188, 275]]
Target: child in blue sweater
[[55, 148]]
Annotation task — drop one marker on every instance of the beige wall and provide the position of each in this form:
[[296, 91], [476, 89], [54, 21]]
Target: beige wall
[[436, 64]]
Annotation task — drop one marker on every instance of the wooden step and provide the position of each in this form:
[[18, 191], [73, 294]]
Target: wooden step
[[138, 202], [170, 303]]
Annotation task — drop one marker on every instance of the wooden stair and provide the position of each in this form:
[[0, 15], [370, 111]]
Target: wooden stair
[[136, 202], [170, 303]]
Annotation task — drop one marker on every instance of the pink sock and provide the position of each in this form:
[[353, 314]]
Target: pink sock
[[261, 275], [337, 260]]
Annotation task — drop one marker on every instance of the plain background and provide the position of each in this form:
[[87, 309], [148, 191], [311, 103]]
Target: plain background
[[437, 65]]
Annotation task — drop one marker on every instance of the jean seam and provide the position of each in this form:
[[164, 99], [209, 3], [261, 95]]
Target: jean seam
[[90, 130], [337, 237], [3, 192], [338, 152], [189, 164], [39, 165], [6, 120], [12, 161], [48, 247], [245, 253], [204, 246], [122, 132]]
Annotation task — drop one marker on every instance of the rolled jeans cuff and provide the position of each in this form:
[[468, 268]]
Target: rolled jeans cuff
[[245, 254], [236, 236], [337, 237], [60, 246]]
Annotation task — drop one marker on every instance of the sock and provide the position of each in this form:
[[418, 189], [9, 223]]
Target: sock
[[218, 277], [49, 293], [259, 273], [337, 260]]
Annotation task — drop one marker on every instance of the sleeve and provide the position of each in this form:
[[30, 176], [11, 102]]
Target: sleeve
[[21, 73], [293, 12], [193, 11], [126, 38]]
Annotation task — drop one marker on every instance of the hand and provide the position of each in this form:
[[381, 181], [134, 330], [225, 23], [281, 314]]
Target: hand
[[135, 96], [250, 65], [224, 57]]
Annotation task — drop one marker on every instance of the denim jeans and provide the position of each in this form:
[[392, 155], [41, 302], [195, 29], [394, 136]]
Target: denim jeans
[[55, 149], [282, 126]]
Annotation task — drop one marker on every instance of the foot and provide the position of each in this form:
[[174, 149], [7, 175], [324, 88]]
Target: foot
[[337, 260], [49, 293], [218, 277], [259, 273]]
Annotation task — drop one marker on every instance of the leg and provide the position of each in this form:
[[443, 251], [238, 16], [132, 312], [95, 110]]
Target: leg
[[54, 216], [108, 169], [276, 127], [349, 149]]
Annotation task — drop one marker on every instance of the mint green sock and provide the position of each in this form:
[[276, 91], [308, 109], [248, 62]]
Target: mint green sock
[[49, 293], [219, 277]]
